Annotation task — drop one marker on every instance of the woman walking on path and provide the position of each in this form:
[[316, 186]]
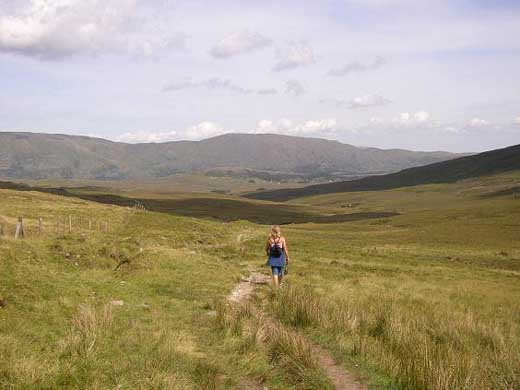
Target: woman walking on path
[[276, 250]]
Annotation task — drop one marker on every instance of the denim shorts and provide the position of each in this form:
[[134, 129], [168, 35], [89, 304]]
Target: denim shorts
[[277, 271]]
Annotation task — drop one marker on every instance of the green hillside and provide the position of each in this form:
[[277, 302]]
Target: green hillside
[[488, 163], [431, 283], [134, 307]]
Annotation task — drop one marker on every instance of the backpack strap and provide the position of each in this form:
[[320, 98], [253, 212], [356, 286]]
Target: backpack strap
[[279, 243]]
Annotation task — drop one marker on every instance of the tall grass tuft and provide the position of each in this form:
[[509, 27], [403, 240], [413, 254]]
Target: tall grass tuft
[[292, 354], [289, 353], [88, 326], [420, 347], [206, 375]]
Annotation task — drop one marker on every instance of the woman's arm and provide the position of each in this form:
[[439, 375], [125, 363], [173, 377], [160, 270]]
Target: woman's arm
[[286, 250]]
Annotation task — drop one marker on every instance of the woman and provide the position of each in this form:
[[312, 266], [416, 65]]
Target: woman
[[276, 250]]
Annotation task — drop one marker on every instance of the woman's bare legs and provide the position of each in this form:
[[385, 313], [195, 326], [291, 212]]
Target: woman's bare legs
[[276, 281]]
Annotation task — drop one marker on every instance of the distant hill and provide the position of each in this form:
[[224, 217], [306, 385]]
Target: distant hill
[[487, 163], [42, 156]]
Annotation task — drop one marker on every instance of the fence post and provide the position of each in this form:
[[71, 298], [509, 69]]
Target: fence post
[[19, 229], [70, 223], [89, 224], [40, 226]]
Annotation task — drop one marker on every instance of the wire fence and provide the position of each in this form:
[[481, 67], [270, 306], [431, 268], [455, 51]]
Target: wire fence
[[59, 225]]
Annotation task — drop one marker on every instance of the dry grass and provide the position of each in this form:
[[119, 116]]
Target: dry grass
[[288, 352], [428, 299], [421, 347], [88, 327]]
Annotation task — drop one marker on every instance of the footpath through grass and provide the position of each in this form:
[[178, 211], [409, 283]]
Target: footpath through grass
[[429, 298], [71, 320]]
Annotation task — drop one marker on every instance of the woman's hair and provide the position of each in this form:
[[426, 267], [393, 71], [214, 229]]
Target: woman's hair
[[275, 232]]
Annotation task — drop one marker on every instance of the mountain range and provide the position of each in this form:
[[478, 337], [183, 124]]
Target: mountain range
[[44, 156]]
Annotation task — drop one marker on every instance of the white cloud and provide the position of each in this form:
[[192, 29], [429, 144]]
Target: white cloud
[[147, 136], [265, 126], [214, 83], [203, 130], [407, 118], [477, 122], [284, 124], [316, 127], [351, 67], [267, 91], [294, 55], [367, 101], [421, 116], [217, 83], [200, 131], [452, 129], [422, 121], [356, 67], [238, 43], [358, 102], [419, 120], [294, 88], [184, 83], [375, 121], [319, 127], [60, 28], [404, 117]]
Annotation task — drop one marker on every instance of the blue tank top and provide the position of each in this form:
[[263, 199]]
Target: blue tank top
[[276, 261]]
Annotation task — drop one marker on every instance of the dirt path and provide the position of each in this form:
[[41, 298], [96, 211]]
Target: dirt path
[[337, 375], [243, 290], [341, 379]]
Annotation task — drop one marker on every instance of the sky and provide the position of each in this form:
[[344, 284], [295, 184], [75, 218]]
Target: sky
[[412, 74]]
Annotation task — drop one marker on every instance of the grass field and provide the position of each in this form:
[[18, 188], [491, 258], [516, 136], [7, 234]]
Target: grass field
[[59, 329], [430, 297], [426, 296]]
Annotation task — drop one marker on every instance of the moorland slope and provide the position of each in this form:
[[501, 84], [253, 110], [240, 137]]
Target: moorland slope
[[483, 164]]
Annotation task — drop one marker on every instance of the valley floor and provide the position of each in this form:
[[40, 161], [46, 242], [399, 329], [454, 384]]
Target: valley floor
[[426, 296]]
